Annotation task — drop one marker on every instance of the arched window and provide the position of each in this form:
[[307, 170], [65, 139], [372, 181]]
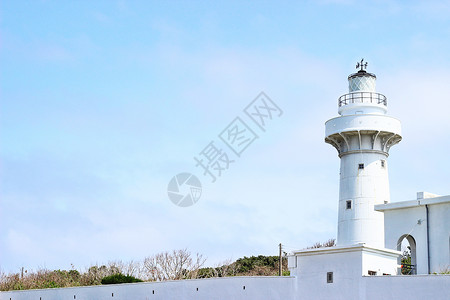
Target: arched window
[[407, 245]]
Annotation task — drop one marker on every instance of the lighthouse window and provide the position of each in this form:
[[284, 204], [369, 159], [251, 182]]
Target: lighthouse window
[[348, 204], [361, 166], [329, 277], [382, 163]]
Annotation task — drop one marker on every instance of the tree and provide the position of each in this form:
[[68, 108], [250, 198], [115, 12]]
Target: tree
[[119, 278], [329, 243], [175, 265], [407, 268]]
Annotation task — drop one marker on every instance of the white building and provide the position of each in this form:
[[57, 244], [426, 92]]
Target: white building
[[370, 228], [365, 262], [425, 224]]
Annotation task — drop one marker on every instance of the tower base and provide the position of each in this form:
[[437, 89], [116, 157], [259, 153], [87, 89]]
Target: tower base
[[336, 269]]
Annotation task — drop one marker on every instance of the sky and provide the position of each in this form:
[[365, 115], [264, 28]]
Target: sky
[[102, 103]]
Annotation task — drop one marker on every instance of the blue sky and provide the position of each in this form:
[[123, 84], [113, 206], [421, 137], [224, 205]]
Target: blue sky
[[102, 102]]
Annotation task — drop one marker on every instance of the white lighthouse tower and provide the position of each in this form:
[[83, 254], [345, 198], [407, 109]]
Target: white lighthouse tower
[[362, 135]]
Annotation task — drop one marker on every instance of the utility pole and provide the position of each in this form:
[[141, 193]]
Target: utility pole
[[280, 267]]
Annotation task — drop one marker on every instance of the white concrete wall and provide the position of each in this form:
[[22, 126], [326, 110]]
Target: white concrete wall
[[439, 215], [312, 276], [433, 287], [227, 288], [398, 223], [348, 264], [312, 284], [409, 217], [348, 283], [380, 262]]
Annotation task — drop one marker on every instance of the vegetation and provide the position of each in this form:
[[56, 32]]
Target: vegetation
[[329, 243], [247, 266], [43, 278], [407, 268], [444, 271], [120, 278], [175, 265]]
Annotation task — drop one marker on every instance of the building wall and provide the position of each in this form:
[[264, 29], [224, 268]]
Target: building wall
[[379, 262], [409, 218], [436, 287], [227, 288], [439, 215], [347, 263], [400, 223], [312, 272]]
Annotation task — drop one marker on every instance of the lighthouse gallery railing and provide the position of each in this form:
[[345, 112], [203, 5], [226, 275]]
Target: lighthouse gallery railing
[[362, 97]]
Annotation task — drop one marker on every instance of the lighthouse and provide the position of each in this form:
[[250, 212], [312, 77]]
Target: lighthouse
[[362, 134]]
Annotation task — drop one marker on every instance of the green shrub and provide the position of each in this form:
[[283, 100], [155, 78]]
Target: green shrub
[[205, 273], [249, 263], [119, 278]]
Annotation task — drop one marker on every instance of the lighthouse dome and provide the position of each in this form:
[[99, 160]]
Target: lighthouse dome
[[361, 81], [362, 97]]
